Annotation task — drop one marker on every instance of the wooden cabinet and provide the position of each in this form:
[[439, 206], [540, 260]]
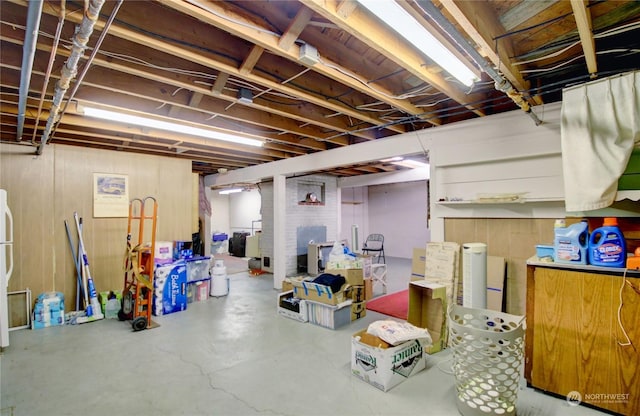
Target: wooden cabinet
[[574, 339]]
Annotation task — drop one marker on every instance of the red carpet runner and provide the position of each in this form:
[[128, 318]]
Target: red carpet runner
[[395, 304]]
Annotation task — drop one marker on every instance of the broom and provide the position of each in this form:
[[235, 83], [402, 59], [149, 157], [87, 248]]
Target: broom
[[93, 308], [80, 286]]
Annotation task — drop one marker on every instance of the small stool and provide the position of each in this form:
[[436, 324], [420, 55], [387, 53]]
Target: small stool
[[379, 275]]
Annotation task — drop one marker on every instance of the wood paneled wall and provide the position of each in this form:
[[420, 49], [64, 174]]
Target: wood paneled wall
[[44, 191], [515, 239]]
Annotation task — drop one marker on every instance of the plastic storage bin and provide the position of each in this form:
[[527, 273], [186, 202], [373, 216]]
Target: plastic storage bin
[[328, 316], [197, 268], [488, 351]]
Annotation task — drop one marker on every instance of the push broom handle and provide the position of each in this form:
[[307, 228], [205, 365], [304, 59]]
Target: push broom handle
[[93, 297]]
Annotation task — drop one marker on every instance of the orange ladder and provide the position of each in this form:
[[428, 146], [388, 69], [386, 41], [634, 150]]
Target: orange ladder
[[137, 297]]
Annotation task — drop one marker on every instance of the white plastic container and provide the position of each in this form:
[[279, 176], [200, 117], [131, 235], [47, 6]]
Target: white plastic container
[[571, 243], [219, 279]]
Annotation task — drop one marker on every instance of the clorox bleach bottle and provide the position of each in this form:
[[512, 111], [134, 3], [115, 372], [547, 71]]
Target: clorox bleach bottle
[[219, 279], [607, 246]]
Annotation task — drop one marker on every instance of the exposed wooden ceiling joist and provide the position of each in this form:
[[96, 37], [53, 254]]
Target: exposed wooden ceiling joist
[[378, 37], [483, 26], [583, 21], [188, 61]]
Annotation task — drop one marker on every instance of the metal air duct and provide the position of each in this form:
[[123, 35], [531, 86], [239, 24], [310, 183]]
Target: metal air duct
[[69, 70], [28, 53]]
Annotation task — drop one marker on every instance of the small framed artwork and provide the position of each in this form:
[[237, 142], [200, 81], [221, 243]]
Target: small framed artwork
[[110, 195]]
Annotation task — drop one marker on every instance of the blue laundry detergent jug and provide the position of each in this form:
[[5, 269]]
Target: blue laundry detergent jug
[[571, 243], [607, 246]]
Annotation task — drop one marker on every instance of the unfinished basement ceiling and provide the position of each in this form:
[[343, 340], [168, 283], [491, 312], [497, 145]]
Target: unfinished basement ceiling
[[303, 76]]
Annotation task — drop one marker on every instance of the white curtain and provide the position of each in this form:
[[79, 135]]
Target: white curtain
[[600, 125]]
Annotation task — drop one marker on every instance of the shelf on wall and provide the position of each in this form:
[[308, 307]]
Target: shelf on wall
[[500, 202]]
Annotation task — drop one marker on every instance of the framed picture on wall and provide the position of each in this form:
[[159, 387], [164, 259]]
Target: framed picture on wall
[[110, 195]]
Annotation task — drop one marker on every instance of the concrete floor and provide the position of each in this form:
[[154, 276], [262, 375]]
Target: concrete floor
[[226, 356]]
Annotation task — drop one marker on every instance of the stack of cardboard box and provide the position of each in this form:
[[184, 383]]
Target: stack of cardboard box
[[320, 305]]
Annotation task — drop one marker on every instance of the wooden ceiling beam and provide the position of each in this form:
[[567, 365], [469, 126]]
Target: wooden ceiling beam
[[583, 22], [201, 59], [251, 60], [482, 25], [303, 17], [523, 11], [385, 41], [289, 122], [214, 14], [220, 82], [112, 95], [194, 99]]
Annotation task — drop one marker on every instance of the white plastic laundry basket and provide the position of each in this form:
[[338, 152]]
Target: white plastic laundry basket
[[488, 351]]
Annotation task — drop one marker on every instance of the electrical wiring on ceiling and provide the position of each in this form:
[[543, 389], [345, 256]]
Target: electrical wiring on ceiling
[[611, 32], [562, 64]]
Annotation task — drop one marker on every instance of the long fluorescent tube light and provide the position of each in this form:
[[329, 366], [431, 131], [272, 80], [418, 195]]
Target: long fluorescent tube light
[[168, 126], [408, 163], [392, 159], [230, 191], [402, 22]]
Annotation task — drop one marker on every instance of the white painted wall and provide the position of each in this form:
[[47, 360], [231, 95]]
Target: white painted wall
[[298, 216], [244, 208], [399, 212], [234, 213], [354, 211], [495, 154], [219, 214]]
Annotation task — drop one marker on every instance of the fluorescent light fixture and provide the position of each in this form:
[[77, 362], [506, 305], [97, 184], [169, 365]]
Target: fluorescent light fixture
[[230, 191], [402, 22], [392, 159], [409, 163], [168, 126]]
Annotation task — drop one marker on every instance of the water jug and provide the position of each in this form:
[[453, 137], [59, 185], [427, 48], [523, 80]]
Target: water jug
[[607, 246], [571, 243]]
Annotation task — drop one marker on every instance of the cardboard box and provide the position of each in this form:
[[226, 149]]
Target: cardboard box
[[427, 309], [291, 307], [308, 290], [357, 294], [358, 310], [354, 277], [329, 316], [287, 285], [418, 265], [382, 367], [368, 289], [361, 261], [198, 291], [495, 282], [163, 252]]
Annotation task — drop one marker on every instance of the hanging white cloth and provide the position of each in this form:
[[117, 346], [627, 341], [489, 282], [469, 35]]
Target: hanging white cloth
[[600, 125]]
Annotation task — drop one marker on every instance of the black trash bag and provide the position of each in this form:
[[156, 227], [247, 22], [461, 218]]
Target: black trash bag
[[335, 281]]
